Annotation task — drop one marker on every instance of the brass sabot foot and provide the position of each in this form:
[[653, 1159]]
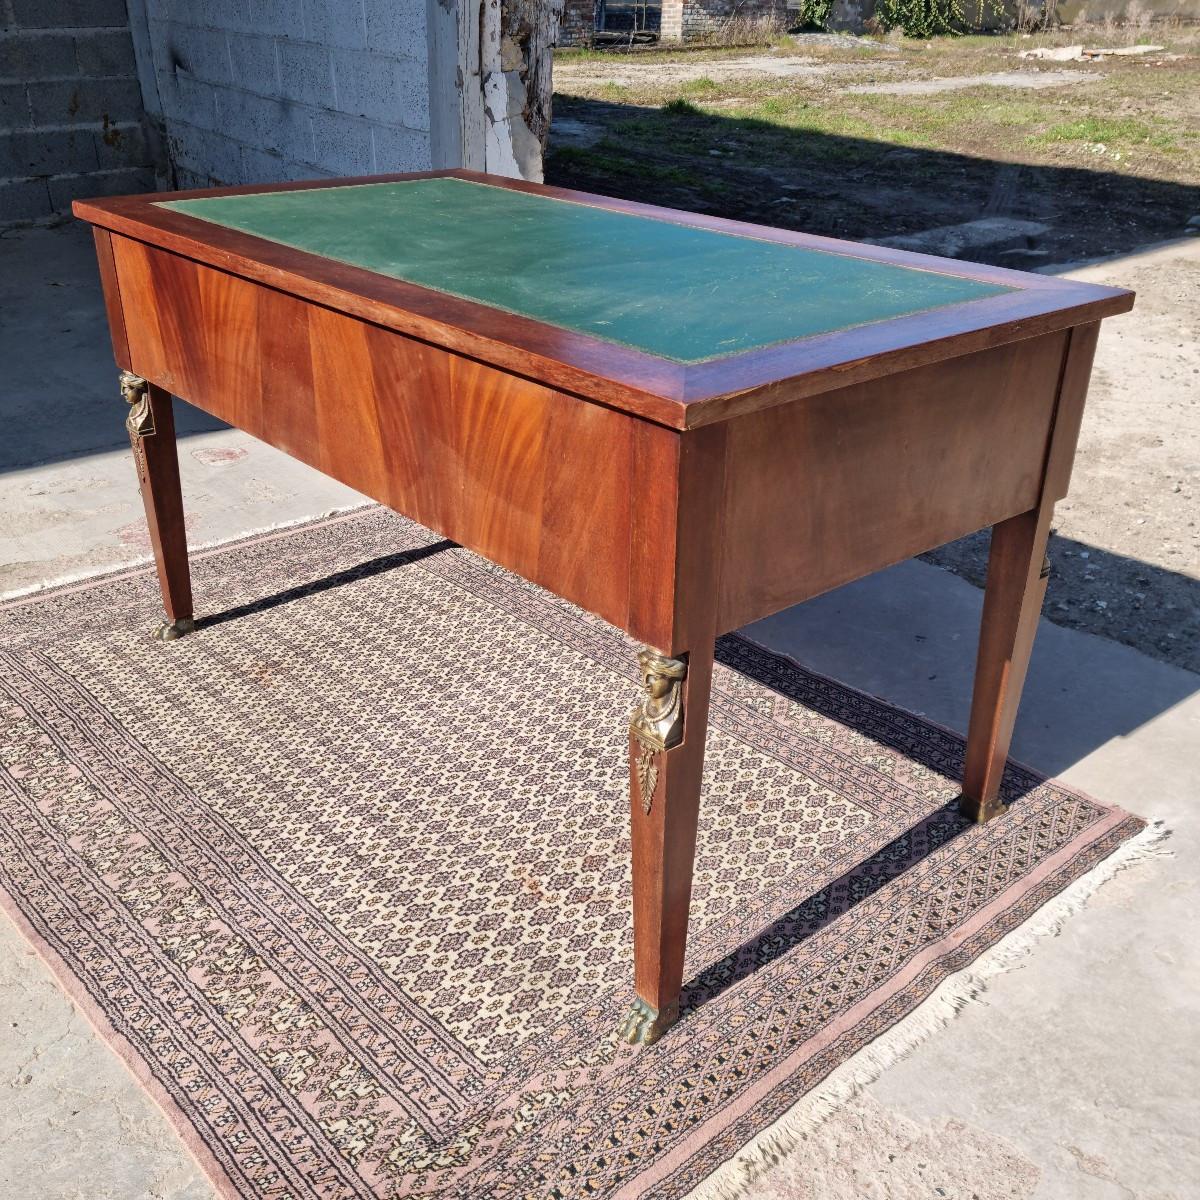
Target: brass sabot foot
[[981, 813], [643, 1024], [170, 631]]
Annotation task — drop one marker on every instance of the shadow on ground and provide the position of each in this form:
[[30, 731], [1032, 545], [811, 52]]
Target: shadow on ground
[[850, 187], [1124, 599], [822, 908], [60, 399]]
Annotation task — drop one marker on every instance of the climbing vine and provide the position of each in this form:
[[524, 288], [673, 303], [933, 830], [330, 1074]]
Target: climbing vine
[[812, 14], [928, 18]]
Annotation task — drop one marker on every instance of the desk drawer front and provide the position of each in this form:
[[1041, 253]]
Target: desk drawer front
[[534, 479]]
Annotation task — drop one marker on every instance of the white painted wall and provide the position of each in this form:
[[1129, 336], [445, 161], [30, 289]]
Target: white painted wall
[[264, 90]]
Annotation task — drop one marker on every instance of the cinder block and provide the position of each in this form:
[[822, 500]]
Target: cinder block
[[342, 144], [70, 14], [186, 99], [412, 93], [24, 200], [104, 52], [366, 85], [265, 124], [122, 145], [332, 24], [396, 27], [14, 107], [232, 15], [97, 184], [46, 152], [160, 44], [260, 166], [85, 101], [278, 18], [25, 56], [212, 156], [399, 149], [201, 53], [185, 179], [299, 172], [253, 62], [305, 73]]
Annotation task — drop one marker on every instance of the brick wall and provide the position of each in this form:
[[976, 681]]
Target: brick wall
[[71, 117], [578, 22], [265, 90], [688, 19]]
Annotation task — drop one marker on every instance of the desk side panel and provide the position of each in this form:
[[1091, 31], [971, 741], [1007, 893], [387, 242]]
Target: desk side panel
[[830, 488], [536, 480]]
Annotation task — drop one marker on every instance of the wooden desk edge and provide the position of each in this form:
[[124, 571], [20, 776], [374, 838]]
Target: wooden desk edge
[[671, 394]]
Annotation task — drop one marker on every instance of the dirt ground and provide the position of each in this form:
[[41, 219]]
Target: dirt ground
[[1125, 553], [1069, 162]]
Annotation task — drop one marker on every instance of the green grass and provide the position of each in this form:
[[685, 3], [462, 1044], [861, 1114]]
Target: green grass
[[773, 123], [612, 157], [1111, 131]]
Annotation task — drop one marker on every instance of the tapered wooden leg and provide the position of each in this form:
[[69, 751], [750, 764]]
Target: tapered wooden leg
[[666, 752], [1018, 570], [151, 425]]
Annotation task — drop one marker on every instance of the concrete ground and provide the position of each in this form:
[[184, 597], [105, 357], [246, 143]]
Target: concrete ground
[[1073, 1078]]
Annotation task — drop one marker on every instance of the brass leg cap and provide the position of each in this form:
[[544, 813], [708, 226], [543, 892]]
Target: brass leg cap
[[170, 631], [643, 1024], [981, 814]]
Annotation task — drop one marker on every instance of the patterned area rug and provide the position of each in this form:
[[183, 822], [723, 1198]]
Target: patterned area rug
[[345, 877]]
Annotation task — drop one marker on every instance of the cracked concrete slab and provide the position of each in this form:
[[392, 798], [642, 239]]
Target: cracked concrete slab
[[868, 1151], [954, 83], [624, 72], [73, 1123]]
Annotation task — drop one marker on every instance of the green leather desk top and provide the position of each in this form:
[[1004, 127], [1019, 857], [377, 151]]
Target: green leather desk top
[[672, 290]]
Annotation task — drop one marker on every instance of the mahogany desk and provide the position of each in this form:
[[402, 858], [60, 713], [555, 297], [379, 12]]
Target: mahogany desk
[[680, 423]]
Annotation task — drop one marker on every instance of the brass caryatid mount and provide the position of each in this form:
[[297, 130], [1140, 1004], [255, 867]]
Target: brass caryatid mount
[[140, 423], [657, 722]]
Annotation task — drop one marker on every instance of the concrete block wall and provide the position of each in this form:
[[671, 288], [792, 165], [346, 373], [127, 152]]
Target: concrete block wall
[[264, 90], [71, 117]]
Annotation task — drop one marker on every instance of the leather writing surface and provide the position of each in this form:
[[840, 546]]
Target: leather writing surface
[[673, 290]]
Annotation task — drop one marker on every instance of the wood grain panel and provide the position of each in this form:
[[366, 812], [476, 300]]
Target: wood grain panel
[[112, 296], [831, 488], [283, 412], [143, 336], [1068, 417], [655, 514], [226, 335], [349, 445], [536, 480]]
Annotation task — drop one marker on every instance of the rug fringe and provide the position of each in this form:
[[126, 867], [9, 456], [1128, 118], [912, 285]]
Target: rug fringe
[[732, 1180], [144, 560]]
